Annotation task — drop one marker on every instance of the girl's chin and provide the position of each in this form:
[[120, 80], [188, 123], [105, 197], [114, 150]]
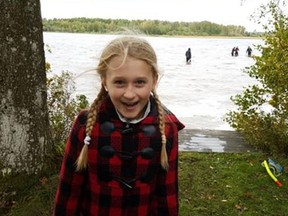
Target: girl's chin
[[130, 115], [131, 112]]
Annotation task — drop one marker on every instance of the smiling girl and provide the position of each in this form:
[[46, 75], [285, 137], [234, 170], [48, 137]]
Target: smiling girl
[[121, 157]]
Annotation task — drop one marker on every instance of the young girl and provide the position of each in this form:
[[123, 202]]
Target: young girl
[[121, 157]]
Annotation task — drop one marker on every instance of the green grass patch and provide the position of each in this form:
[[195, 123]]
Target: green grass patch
[[209, 184], [230, 184]]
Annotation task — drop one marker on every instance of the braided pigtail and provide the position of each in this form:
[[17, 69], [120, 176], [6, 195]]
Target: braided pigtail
[[164, 157], [82, 160]]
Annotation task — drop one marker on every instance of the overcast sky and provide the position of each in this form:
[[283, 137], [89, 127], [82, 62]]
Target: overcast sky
[[226, 12]]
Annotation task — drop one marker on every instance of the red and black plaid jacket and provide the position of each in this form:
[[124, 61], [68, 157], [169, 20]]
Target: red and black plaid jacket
[[124, 175]]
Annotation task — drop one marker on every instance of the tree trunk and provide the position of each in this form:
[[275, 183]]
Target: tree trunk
[[23, 94]]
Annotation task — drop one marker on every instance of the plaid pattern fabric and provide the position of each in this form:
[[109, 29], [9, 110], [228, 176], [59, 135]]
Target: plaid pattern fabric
[[124, 181]]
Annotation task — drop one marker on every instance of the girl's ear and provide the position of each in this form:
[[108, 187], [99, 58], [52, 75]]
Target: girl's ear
[[103, 81], [155, 82]]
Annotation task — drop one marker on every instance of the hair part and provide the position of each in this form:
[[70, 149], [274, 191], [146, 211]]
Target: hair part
[[134, 47]]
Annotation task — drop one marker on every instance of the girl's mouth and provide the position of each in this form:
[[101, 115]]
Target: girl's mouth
[[130, 105]]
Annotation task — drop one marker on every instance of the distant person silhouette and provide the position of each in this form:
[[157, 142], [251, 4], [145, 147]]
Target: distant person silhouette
[[236, 51], [188, 56], [233, 51], [249, 51]]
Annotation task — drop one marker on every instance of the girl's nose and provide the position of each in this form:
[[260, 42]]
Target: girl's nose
[[129, 92]]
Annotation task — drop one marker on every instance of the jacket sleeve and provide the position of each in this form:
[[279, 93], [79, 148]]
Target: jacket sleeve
[[167, 183], [69, 194]]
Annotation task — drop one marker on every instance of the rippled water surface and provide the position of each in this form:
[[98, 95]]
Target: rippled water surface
[[199, 93]]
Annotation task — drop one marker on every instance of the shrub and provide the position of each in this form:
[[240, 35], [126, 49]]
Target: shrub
[[62, 108], [262, 110]]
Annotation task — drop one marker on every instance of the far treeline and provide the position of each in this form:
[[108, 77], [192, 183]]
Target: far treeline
[[149, 27]]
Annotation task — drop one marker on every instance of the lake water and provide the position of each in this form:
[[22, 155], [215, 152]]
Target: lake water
[[199, 93]]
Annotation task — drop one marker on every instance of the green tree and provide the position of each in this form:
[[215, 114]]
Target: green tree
[[150, 27], [262, 113]]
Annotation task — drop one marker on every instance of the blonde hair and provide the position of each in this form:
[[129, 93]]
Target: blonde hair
[[134, 47]]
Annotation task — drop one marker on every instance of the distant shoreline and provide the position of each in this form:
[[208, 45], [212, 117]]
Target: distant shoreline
[[170, 36], [209, 36]]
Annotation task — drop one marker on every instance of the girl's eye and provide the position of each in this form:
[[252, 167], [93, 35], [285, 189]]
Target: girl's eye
[[119, 82], [140, 82]]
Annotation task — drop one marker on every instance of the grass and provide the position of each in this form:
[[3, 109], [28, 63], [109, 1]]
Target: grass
[[209, 184], [230, 184]]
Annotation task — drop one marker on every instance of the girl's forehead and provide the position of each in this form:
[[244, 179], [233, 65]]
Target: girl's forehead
[[131, 68], [118, 62]]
